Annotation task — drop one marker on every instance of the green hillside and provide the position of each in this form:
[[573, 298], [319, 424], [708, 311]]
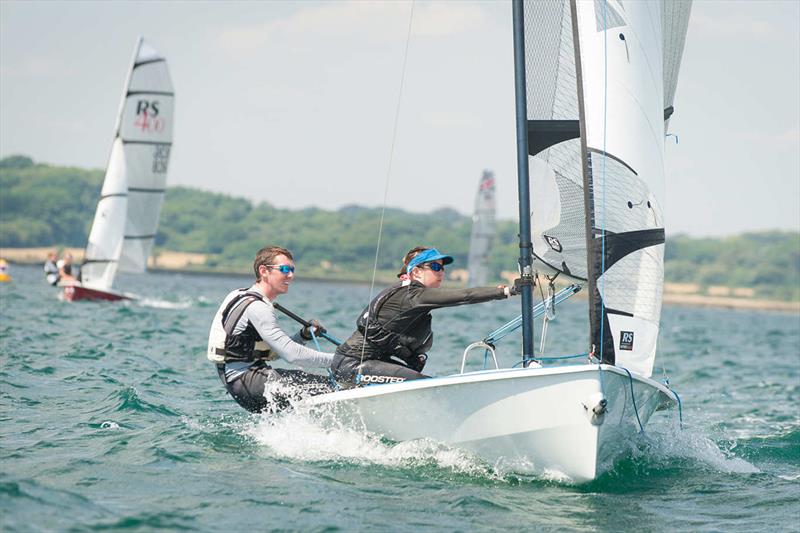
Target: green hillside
[[43, 205]]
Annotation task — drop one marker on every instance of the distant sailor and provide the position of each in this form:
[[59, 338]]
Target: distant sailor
[[51, 268], [394, 333], [67, 271], [245, 335]]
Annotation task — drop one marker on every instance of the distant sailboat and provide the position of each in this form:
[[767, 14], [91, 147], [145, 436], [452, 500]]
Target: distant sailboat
[[483, 231], [126, 219]]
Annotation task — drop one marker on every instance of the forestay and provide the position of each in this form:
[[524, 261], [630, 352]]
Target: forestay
[[483, 231], [601, 79]]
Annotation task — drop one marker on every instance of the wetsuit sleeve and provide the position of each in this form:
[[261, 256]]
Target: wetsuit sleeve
[[435, 298], [262, 316]]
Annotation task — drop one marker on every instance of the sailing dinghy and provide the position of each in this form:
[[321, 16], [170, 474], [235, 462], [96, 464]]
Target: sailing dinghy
[[483, 231], [595, 82], [126, 218]]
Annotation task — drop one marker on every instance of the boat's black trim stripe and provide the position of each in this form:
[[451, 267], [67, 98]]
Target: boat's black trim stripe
[[615, 158], [87, 261], [542, 134], [124, 141], [140, 237], [147, 62], [157, 93], [143, 190], [121, 194]]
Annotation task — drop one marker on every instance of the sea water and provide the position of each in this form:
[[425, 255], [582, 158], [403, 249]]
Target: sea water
[[111, 418]]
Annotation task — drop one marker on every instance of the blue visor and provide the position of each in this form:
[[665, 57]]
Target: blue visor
[[426, 257]]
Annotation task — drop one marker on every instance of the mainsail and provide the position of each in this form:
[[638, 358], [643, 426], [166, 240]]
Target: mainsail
[[127, 214], [483, 231], [146, 131], [597, 106]]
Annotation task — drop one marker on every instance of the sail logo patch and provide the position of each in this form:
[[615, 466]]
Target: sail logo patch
[[626, 340], [553, 242], [147, 116]]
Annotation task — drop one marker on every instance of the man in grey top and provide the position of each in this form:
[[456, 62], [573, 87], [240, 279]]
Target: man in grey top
[[244, 335]]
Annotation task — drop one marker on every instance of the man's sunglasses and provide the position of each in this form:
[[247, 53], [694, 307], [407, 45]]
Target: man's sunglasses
[[436, 267], [284, 269]]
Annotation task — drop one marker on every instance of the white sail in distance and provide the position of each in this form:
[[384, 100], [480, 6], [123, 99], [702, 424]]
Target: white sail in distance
[[483, 231], [127, 213], [106, 236], [597, 108], [145, 129]]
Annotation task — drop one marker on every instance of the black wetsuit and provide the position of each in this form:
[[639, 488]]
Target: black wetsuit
[[404, 315]]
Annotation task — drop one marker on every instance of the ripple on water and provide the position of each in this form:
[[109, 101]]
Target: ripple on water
[[128, 399]]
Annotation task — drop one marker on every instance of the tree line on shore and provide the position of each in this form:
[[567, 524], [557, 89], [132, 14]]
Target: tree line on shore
[[43, 205]]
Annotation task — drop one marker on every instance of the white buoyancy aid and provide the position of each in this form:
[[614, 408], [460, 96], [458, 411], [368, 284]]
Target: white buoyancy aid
[[217, 335]]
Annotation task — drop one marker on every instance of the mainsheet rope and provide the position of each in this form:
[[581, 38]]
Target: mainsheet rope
[[386, 186]]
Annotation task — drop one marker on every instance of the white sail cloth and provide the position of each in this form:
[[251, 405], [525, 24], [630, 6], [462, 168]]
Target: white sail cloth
[[597, 109]]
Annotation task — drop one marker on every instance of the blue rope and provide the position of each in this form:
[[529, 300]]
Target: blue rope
[[331, 377], [538, 310], [554, 358], [633, 399], [680, 407]]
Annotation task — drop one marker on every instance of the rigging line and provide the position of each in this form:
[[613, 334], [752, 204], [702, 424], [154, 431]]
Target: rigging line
[[386, 186], [633, 400]]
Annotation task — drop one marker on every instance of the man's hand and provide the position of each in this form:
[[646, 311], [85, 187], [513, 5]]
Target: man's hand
[[316, 326]]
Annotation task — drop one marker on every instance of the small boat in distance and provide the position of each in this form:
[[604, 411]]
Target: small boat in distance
[[4, 275], [483, 231], [126, 218]]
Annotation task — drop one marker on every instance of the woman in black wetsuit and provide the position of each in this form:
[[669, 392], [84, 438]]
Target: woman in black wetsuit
[[393, 333]]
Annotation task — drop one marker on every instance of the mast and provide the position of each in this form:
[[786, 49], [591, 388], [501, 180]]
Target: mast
[[523, 182]]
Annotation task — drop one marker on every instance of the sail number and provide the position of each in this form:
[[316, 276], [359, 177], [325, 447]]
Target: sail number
[[147, 116]]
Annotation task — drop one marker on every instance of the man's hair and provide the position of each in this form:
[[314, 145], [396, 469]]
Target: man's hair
[[267, 255], [411, 254]]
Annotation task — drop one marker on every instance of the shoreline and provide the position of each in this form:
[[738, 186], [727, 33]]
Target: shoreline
[[193, 263]]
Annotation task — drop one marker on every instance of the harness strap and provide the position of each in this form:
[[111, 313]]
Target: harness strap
[[257, 354], [237, 307]]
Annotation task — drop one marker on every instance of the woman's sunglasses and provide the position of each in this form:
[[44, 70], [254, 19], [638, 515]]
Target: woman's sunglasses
[[436, 267], [284, 269]]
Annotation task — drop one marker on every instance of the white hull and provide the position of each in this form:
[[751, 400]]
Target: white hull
[[541, 417]]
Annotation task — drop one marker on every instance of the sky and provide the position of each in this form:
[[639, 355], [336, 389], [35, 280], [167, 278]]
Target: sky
[[300, 104]]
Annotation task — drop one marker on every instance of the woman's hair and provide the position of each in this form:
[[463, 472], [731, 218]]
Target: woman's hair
[[266, 256], [411, 254]]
